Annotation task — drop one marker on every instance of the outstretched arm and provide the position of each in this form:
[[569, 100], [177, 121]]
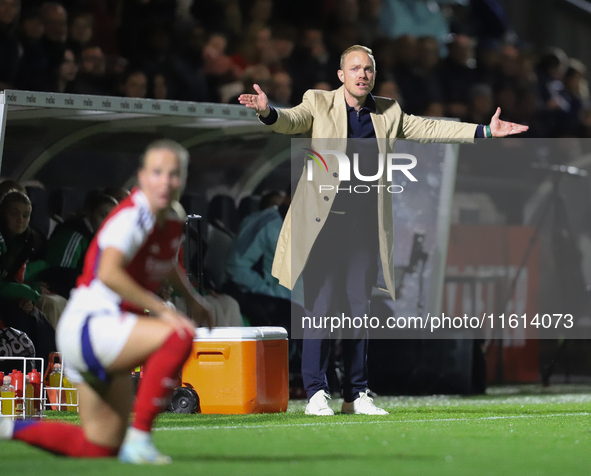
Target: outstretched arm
[[500, 128]]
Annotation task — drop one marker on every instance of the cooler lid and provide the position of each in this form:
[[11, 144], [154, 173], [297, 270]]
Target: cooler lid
[[239, 334]]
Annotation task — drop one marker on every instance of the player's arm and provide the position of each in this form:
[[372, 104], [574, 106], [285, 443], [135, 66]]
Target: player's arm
[[200, 308], [111, 272]]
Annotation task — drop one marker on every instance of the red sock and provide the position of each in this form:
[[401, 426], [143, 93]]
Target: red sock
[[160, 373], [60, 438]]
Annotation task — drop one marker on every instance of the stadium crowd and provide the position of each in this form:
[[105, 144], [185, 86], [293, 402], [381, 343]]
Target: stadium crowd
[[455, 58]]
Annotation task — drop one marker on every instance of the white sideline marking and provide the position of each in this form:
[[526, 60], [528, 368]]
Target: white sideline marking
[[335, 423]]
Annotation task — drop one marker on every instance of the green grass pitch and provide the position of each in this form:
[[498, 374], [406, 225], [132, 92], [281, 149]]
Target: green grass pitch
[[511, 431]]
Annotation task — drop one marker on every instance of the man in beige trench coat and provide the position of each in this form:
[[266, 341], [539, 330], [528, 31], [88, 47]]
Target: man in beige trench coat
[[318, 219]]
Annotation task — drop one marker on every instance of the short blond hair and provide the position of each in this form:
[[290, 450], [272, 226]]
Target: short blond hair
[[177, 149], [365, 49]]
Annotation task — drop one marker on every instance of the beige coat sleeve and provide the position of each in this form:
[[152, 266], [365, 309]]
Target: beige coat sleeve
[[433, 130], [295, 120]]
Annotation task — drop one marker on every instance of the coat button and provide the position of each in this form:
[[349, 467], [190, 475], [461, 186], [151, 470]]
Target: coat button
[[335, 175], [317, 218], [326, 198]]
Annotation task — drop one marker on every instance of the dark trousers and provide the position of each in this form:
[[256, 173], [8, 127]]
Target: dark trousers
[[339, 275]]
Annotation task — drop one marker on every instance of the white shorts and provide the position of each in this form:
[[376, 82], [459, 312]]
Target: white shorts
[[91, 334]]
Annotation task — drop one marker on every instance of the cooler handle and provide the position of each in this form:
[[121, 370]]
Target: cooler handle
[[223, 350]]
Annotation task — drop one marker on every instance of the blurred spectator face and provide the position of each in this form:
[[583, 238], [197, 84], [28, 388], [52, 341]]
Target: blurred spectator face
[[17, 216], [33, 28], [261, 11], [481, 102], [461, 49], [314, 42], [506, 99], [98, 215], [160, 87], [358, 74], [405, 49], [345, 36], [258, 74], [347, 11], [370, 9], [81, 29], [196, 40], [216, 46], [92, 61], [427, 52], [434, 109], [55, 21], [384, 53], [281, 87], [68, 68], [136, 85], [263, 39], [8, 11], [159, 41], [510, 61], [388, 89], [283, 47], [322, 85]]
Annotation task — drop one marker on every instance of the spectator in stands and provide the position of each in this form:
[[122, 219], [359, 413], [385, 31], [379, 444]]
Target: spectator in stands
[[280, 90], [64, 73], [389, 89], [80, 32], [457, 75], [9, 47], [134, 84], [576, 88], [218, 66], [482, 104], [17, 299], [34, 63], [55, 23], [419, 84], [92, 77], [69, 243], [551, 69], [312, 62], [255, 73], [159, 86]]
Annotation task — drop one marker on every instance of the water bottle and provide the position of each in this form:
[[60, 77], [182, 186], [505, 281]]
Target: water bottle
[[6, 392]]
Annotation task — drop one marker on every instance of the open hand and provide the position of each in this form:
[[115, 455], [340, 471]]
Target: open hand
[[500, 128], [258, 102]]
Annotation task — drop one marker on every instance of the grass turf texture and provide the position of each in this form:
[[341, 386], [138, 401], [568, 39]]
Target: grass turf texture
[[510, 431]]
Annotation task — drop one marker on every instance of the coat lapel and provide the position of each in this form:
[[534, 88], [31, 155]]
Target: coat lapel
[[339, 113]]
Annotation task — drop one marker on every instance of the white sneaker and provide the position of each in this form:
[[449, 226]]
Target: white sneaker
[[318, 404], [362, 406], [137, 448], [6, 428]]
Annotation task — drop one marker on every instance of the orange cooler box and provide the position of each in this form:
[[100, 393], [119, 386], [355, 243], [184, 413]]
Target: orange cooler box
[[237, 370]]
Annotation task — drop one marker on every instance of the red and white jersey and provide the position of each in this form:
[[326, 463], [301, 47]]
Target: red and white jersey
[[151, 250]]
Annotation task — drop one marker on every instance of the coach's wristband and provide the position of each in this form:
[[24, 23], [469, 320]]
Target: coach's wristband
[[487, 132]]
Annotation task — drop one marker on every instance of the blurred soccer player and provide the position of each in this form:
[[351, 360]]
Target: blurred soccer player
[[103, 332]]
